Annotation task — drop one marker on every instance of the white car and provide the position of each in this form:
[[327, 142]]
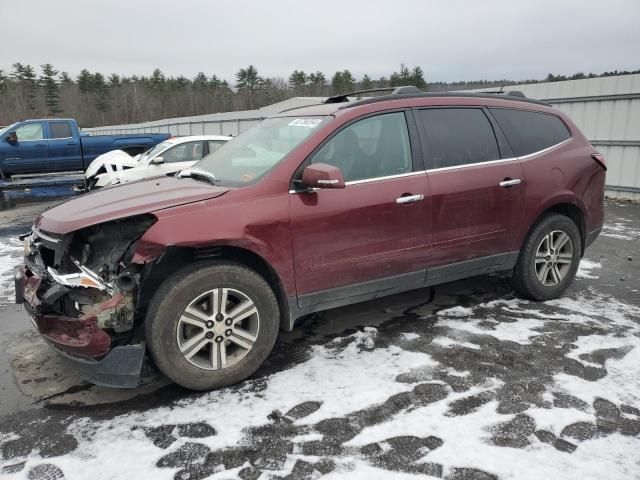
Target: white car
[[166, 158]]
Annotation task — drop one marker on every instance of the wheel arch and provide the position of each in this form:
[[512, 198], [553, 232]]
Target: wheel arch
[[177, 257], [569, 209]]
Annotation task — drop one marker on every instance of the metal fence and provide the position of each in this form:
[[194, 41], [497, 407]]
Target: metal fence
[[606, 109]]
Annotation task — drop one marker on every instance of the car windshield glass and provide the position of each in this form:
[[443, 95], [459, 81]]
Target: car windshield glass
[[7, 128], [153, 151], [248, 157]]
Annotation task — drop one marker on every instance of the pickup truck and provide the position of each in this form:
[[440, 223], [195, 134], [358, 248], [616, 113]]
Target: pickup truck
[[57, 145]]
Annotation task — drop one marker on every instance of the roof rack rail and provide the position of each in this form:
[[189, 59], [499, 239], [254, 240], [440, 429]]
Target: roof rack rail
[[394, 91], [386, 98]]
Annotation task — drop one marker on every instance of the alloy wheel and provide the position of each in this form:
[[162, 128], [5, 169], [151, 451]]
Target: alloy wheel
[[218, 328], [554, 257]]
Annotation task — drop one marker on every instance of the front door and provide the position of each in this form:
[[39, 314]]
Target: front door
[[477, 189], [30, 153], [365, 237]]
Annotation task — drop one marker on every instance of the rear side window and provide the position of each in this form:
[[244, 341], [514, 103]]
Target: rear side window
[[529, 132], [60, 129], [457, 136]]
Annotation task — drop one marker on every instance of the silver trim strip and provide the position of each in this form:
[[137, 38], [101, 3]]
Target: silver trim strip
[[491, 162], [458, 167], [455, 167], [388, 177], [546, 149]]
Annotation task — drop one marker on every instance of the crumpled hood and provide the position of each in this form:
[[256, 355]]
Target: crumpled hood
[[117, 158], [124, 201]]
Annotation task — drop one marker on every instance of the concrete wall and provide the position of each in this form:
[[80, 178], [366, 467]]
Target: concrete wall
[[606, 109]]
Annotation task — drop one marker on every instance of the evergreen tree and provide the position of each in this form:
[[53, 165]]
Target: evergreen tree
[[366, 83], [403, 77], [84, 80], [248, 80], [317, 82], [101, 91], [114, 80], [3, 82], [417, 78], [342, 82], [65, 80], [25, 77], [51, 89], [297, 81], [157, 81]]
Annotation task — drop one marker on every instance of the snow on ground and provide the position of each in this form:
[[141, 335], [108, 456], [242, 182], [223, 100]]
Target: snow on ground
[[621, 229], [585, 268], [10, 257], [475, 387]]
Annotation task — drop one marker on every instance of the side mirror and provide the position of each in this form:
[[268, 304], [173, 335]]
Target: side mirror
[[322, 175], [157, 160], [12, 137]]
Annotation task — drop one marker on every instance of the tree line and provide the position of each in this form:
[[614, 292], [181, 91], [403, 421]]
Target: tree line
[[95, 99]]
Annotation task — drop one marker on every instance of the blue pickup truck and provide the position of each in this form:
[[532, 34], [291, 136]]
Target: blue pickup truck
[[56, 145]]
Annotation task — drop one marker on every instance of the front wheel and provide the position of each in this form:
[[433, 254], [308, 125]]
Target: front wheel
[[212, 324], [549, 258]]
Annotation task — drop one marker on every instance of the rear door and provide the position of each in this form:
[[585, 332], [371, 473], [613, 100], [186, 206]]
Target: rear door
[[65, 153], [365, 237], [30, 153], [477, 189]]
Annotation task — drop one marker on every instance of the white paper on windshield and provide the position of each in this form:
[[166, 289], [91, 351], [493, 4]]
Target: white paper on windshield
[[305, 122]]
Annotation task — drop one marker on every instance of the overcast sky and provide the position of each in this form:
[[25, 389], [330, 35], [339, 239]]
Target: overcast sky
[[450, 40]]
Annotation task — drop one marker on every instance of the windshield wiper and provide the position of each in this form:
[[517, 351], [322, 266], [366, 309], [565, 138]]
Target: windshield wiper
[[199, 174]]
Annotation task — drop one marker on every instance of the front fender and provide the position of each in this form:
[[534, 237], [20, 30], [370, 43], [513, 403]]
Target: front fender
[[259, 226]]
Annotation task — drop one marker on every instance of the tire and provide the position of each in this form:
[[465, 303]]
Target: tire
[[169, 326], [537, 254]]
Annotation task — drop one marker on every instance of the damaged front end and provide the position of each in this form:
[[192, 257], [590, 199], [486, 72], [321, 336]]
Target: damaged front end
[[81, 290]]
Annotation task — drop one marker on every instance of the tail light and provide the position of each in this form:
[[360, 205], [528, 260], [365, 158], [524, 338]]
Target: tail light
[[598, 157]]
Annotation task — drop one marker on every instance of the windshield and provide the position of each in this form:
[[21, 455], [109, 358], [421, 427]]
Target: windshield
[[153, 151], [7, 128], [248, 157]]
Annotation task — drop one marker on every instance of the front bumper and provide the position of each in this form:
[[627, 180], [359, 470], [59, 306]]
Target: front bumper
[[85, 347]]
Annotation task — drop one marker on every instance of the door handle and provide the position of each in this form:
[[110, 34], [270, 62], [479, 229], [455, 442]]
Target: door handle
[[71, 143], [409, 198], [508, 182]]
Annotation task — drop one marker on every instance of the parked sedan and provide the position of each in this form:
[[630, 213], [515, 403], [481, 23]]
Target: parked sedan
[[166, 158]]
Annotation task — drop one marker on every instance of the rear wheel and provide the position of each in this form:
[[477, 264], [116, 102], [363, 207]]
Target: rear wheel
[[549, 258], [212, 324]]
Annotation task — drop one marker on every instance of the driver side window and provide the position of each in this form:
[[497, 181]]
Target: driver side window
[[374, 147], [30, 131]]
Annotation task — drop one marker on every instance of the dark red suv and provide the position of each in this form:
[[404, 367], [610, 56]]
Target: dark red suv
[[315, 208]]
